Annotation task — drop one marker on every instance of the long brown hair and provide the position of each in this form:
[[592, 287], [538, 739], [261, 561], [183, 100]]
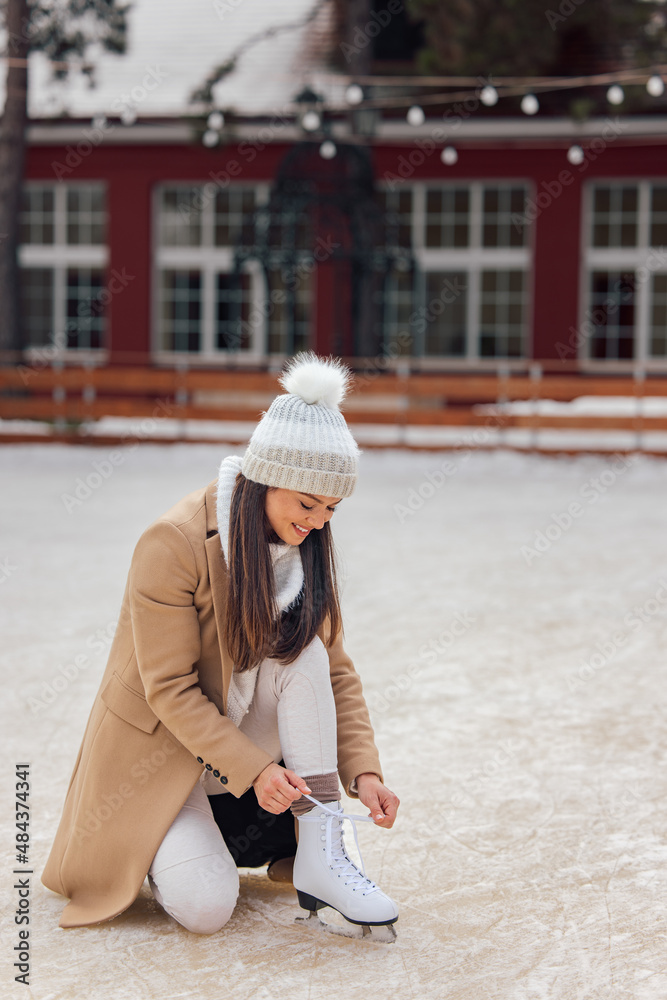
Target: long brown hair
[[252, 630]]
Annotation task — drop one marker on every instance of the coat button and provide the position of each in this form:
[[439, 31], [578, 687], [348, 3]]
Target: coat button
[[216, 773], [223, 780], [200, 760], [209, 767]]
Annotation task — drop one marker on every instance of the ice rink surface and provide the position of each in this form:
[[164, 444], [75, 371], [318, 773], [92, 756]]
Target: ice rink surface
[[508, 616]]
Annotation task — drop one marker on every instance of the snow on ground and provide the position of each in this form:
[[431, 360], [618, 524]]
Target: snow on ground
[[507, 613]]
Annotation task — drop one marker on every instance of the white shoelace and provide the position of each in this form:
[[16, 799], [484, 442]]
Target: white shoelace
[[336, 856]]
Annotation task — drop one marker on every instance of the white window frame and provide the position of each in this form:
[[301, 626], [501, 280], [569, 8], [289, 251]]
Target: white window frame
[[473, 259], [209, 260], [624, 259], [58, 257]]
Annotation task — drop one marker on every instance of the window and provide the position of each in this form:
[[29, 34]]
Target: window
[[232, 313], [614, 215], [37, 303], [658, 343], [181, 310], [503, 205], [38, 215], [63, 257], [470, 297], [446, 313], [397, 209], [204, 307], [502, 312], [625, 306], [447, 217], [278, 327], [84, 308]]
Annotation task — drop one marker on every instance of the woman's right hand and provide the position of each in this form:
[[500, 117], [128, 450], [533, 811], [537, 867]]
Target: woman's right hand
[[277, 787]]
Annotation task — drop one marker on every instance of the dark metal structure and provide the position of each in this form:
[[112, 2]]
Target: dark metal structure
[[324, 212]]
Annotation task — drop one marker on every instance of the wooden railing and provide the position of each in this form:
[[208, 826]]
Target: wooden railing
[[70, 397]]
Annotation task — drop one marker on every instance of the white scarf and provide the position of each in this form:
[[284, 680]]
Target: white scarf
[[287, 576]]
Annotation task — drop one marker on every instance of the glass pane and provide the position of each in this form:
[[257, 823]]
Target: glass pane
[[86, 215], [290, 314], [233, 211], [444, 314], [179, 222], [614, 221], [233, 329], [37, 304], [503, 222], [394, 313], [658, 236], [501, 313], [396, 207], [612, 314], [658, 332], [37, 215], [180, 311], [447, 217], [85, 298]]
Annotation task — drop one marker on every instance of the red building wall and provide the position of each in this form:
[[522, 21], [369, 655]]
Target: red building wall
[[555, 220]]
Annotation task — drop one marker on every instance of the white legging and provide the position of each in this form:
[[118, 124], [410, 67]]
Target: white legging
[[293, 717]]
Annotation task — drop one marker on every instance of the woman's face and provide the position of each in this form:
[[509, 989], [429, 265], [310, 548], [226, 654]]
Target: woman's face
[[289, 511]]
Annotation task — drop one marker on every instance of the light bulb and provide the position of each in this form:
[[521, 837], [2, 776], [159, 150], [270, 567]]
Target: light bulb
[[530, 104], [575, 155], [311, 121], [215, 120], [615, 95], [210, 138], [328, 150], [655, 86], [128, 116], [449, 156], [489, 96], [354, 94], [415, 115]]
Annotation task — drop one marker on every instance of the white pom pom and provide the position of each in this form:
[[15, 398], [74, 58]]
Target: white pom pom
[[317, 380]]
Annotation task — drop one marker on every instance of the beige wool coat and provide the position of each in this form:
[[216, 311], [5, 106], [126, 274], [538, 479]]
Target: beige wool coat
[[158, 718]]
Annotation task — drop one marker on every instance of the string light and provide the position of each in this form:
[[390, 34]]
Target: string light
[[354, 94], [449, 156], [489, 96], [311, 121], [575, 155], [615, 95], [128, 116], [655, 86], [328, 150], [530, 104], [415, 115], [210, 138], [215, 120]]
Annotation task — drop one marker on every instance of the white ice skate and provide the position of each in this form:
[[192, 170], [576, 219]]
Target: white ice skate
[[324, 875]]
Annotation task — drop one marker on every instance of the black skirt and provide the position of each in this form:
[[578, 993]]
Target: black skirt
[[254, 837]]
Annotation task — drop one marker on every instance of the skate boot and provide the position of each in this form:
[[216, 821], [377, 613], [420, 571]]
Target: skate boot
[[324, 875]]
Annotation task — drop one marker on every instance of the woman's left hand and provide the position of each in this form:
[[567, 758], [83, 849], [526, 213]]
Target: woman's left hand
[[382, 802]]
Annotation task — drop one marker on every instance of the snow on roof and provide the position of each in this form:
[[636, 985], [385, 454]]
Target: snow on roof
[[172, 47]]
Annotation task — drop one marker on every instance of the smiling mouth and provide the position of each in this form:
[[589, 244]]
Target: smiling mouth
[[300, 532]]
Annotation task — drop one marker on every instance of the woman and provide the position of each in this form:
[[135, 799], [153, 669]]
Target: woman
[[229, 707]]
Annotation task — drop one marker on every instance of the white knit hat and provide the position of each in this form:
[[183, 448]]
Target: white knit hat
[[302, 441]]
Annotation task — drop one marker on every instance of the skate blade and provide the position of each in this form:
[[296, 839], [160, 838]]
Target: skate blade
[[375, 933]]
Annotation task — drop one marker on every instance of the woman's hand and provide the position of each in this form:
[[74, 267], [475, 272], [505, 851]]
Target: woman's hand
[[382, 802], [277, 787]]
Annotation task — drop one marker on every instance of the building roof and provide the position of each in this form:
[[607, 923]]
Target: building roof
[[172, 47]]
